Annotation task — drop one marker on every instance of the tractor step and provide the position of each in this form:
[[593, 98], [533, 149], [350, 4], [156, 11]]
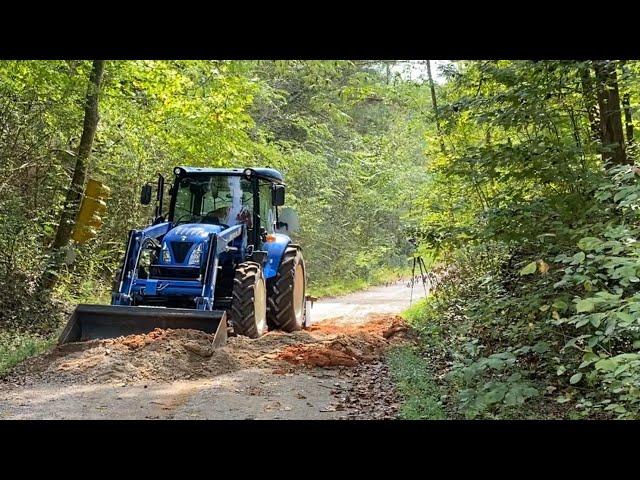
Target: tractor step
[[92, 322]]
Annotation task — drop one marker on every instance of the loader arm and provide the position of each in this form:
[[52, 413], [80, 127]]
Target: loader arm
[[218, 243], [131, 258]]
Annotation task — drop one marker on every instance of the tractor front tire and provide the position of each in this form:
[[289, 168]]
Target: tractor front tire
[[286, 293], [249, 301]]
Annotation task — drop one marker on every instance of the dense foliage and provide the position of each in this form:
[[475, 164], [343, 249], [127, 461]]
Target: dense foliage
[[344, 134], [536, 312]]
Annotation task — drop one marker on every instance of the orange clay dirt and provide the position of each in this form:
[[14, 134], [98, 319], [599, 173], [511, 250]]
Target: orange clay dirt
[[345, 345]]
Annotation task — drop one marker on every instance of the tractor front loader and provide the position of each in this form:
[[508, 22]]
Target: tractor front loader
[[217, 260]]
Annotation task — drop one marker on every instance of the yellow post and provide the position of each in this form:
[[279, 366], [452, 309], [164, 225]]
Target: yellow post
[[92, 207]]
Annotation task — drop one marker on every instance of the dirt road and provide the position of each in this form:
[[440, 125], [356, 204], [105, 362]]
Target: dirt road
[[332, 370], [390, 299]]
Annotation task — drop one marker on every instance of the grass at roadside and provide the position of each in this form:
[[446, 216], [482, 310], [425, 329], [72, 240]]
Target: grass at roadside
[[16, 347], [343, 286], [415, 312], [412, 377], [337, 288]]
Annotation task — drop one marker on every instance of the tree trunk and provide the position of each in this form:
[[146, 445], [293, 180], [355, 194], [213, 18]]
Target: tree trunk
[[590, 103], [626, 107], [628, 120], [74, 193], [613, 151], [434, 103]]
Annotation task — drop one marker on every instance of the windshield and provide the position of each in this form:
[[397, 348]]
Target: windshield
[[215, 199]]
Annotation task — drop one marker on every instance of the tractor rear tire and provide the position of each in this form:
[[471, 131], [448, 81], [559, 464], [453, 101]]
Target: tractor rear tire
[[286, 293], [248, 313]]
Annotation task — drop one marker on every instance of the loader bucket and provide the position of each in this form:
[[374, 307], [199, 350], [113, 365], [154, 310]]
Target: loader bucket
[[91, 322]]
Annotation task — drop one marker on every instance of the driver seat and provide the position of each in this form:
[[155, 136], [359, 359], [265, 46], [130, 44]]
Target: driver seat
[[220, 214]]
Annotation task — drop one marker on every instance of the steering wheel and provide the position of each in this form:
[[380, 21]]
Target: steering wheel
[[214, 219], [184, 216]]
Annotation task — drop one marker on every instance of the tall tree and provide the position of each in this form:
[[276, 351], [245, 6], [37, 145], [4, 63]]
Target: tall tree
[[613, 150], [628, 120], [434, 103], [626, 106], [74, 192], [590, 101]]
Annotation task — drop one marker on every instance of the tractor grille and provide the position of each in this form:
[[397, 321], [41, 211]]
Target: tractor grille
[[180, 250], [161, 272]]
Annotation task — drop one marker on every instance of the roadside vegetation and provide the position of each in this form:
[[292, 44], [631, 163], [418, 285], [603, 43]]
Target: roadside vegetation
[[532, 205], [413, 377], [16, 346]]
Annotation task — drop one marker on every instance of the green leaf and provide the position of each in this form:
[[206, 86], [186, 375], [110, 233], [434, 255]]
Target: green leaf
[[519, 393], [575, 378], [596, 319], [625, 317], [585, 305], [578, 258], [589, 243], [560, 305], [529, 269], [541, 347], [606, 364], [496, 394]]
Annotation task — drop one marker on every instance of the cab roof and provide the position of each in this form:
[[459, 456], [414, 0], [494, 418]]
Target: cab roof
[[270, 174]]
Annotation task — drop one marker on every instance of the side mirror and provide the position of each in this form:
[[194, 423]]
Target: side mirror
[[277, 195], [145, 195], [287, 221]]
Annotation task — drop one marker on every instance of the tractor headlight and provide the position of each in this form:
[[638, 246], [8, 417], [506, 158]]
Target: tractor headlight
[[196, 255], [166, 256]]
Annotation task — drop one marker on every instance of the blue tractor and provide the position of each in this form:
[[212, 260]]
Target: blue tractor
[[219, 259]]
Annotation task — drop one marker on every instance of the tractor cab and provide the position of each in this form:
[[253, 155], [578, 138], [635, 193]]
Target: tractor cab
[[227, 197]]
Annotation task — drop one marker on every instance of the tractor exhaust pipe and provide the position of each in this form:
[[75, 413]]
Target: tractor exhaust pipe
[[92, 322]]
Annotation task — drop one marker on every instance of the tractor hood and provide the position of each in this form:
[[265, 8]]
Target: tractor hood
[[192, 232], [183, 240]]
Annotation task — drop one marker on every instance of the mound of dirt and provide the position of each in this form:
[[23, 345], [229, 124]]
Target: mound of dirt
[[161, 355], [345, 350], [167, 355]]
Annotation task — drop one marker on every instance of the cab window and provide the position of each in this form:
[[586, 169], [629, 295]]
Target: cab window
[[267, 215]]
